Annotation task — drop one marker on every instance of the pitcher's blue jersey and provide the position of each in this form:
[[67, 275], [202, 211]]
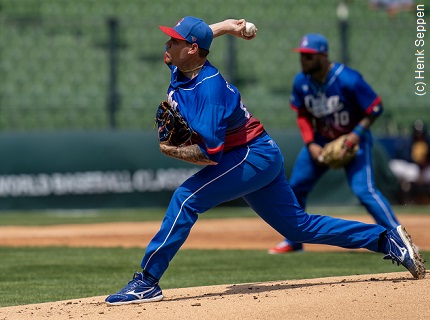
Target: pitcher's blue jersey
[[338, 104], [214, 110]]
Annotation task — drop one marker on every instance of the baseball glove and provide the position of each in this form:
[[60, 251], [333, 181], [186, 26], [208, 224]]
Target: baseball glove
[[171, 126], [336, 155]]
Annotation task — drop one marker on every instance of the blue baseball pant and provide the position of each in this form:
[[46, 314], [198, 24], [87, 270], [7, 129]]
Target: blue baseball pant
[[256, 173], [360, 177]]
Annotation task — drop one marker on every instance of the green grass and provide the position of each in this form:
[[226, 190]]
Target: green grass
[[54, 217], [35, 275]]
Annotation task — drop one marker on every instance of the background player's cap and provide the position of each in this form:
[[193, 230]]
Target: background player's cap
[[191, 29], [313, 43]]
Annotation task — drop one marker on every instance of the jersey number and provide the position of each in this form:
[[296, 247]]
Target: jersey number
[[247, 114], [341, 118]]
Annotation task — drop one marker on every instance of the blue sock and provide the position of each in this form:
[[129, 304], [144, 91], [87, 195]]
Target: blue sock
[[149, 278], [383, 242]]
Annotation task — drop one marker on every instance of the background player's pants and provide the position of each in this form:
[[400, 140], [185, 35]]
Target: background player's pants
[[360, 177], [256, 173]]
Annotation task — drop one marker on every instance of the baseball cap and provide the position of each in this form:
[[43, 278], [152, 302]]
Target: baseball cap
[[191, 29], [313, 43]]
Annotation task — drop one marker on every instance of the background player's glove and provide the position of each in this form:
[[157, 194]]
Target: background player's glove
[[171, 126], [336, 154]]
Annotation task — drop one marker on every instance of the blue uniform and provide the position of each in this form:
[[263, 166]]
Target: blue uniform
[[250, 165], [338, 104], [336, 107]]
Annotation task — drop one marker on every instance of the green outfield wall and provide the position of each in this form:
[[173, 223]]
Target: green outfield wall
[[82, 170]]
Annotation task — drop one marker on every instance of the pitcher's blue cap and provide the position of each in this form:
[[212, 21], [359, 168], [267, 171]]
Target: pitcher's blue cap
[[313, 43], [191, 29]]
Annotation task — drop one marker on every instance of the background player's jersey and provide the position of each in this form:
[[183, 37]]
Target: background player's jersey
[[214, 110], [337, 105]]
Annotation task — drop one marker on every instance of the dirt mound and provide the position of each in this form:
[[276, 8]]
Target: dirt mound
[[382, 296]]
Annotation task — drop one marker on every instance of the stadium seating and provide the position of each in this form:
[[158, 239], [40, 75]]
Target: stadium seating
[[55, 66]]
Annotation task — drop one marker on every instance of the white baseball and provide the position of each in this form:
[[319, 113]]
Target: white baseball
[[249, 30]]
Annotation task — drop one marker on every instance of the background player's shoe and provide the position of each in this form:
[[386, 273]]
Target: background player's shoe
[[400, 249], [285, 247], [136, 291]]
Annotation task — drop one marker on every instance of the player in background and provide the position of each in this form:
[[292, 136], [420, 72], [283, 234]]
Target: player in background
[[239, 159], [410, 163], [331, 100]]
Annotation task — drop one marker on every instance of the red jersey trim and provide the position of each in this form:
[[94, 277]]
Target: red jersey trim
[[371, 108], [215, 150], [304, 122], [239, 137]]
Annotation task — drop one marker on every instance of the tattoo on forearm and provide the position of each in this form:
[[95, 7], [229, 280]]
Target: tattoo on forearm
[[190, 153]]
